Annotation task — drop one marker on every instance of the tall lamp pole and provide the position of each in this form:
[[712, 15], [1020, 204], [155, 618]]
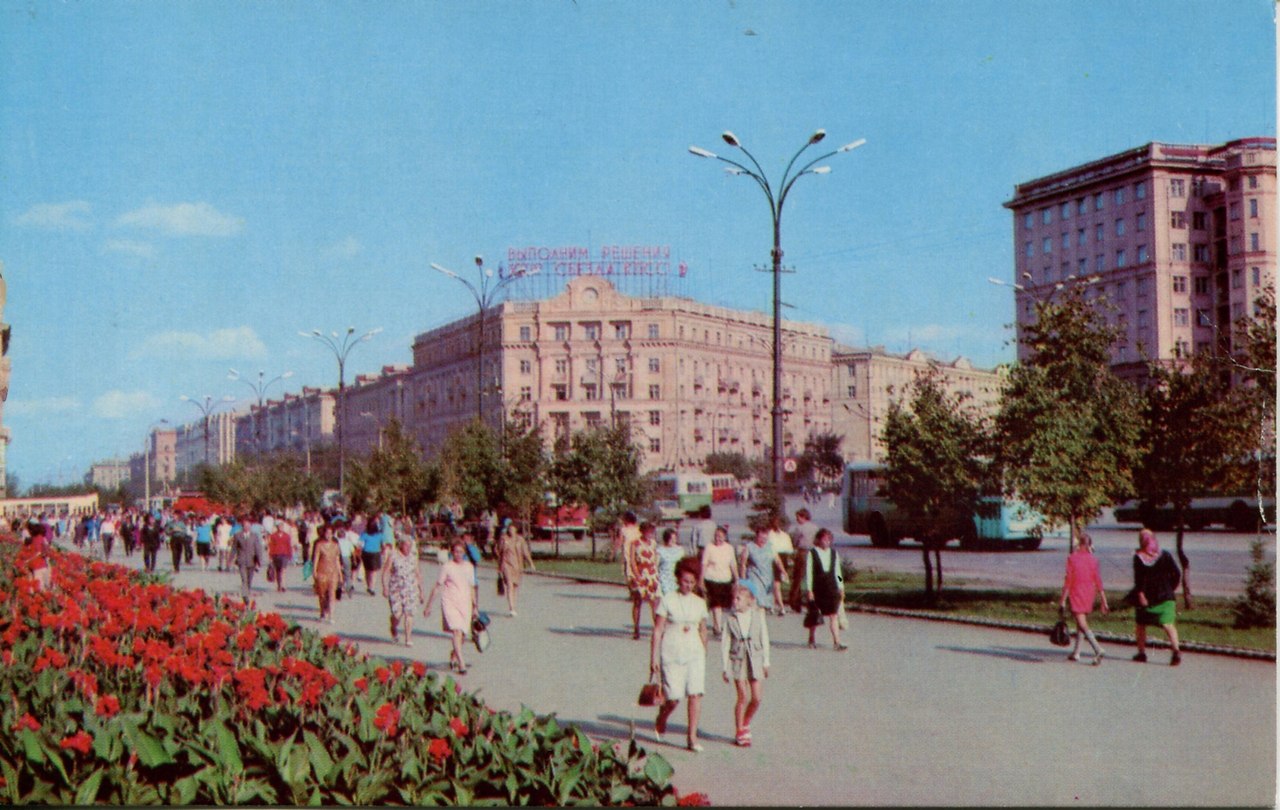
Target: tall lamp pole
[[485, 294], [777, 198], [341, 346], [146, 464], [260, 390], [206, 409]]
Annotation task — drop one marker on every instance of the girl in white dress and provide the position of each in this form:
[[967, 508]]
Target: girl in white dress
[[679, 651]]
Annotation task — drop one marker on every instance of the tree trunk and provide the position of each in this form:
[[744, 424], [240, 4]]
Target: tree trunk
[[1179, 515], [937, 554], [929, 597]]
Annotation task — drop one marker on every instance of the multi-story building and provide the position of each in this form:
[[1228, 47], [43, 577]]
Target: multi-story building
[[865, 382], [690, 379], [1175, 240], [157, 464], [371, 403], [108, 474], [295, 422], [208, 440]]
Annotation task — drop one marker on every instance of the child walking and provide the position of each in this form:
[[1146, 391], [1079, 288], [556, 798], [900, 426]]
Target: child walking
[[744, 650]]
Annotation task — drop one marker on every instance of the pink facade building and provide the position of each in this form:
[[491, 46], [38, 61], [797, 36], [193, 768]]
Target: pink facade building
[[1175, 242]]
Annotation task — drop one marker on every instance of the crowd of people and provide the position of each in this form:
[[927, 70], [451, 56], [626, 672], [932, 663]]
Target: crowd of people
[[696, 589]]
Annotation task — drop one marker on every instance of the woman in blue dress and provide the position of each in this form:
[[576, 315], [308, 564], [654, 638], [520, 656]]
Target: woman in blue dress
[[759, 562], [669, 553]]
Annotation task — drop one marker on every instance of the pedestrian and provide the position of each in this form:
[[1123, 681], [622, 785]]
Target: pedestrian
[[151, 542], [640, 566], [204, 543], [402, 584], [1081, 587], [669, 553], [222, 541], [349, 549], [784, 549], [701, 530], [678, 652], [760, 564], [802, 537], [371, 552], [280, 549], [177, 532], [717, 573], [512, 552], [248, 555], [326, 570], [458, 606], [1155, 585], [745, 655], [107, 533], [36, 552], [824, 589]]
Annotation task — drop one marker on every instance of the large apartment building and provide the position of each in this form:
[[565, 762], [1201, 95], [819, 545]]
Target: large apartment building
[[1176, 241]]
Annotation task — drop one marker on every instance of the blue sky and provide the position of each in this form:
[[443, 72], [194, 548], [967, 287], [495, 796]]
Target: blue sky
[[186, 185]]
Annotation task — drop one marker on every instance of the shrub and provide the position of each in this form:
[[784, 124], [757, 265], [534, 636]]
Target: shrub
[[121, 690], [1256, 607]]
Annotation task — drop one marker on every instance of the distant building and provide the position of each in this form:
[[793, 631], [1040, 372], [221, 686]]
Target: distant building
[[108, 474], [1176, 241], [295, 422], [865, 382], [209, 440], [157, 464]]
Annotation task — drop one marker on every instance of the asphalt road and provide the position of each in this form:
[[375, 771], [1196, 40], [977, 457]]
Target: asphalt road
[[915, 712]]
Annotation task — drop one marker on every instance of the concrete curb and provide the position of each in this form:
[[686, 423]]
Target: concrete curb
[[1024, 627]]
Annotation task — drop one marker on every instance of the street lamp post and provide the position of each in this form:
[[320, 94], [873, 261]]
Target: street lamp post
[[206, 409], [485, 294], [777, 198], [341, 346], [260, 390], [146, 464]]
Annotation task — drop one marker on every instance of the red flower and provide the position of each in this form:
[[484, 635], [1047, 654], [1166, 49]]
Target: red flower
[[693, 800], [28, 722], [458, 727], [331, 641], [387, 719], [383, 674], [439, 749], [247, 638], [80, 741], [397, 668], [108, 706], [419, 668]]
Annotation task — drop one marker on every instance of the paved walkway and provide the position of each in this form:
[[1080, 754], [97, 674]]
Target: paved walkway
[[915, 712]]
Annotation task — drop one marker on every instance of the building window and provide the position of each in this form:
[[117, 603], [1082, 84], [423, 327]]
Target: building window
[[1234, 245], [1253, 209], [560, 391], [1237, 311], [1082, 266], [1048, 273], [1066, 211], [1253, 181], [1100, 263], [1179, 284], [1027, 220], [1237, 279], [852, 391], [1119, 196], [1181, 348], [1256, 272], [1121, 260], [1235, 210], [1066, 240], [1119, 227], [562, 366], [1143, 285], [1199, 220], [655, 445], [1144, 319], [1254, 244], [1099, 233], [655, 392], [1046, 215], [1203, 318], [591, 331], [1178, 219], [621, 331], [1046, 246], [1028, 251], [526, 333], [526, 367], [620, 365], [1080, 237], [1098, 201], [1201, 253], [655, 365], [1200, 284], [653, 331], [590, 391], [561, 331], [1140, 190], [1181, 316], [1140, 221], [655, 418], [1122, 289], [1178, 251], [1177, 187], [1081, 206], [1142, 254]]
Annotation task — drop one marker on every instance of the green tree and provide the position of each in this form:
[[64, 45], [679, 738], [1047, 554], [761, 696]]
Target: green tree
[[1192, 432], [525, 468], [1068, 427], [934, 467], [394, 478], [1256, 607], [471, 467], [821, 458], [600, 468], [726, 463], [1256, 364], [267, 482]]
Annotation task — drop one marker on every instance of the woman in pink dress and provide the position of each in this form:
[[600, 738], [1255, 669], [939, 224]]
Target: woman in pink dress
[[1080, 589], [458, 600]]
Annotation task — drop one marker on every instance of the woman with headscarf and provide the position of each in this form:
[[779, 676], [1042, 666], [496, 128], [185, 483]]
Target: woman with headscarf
[[1080, 589], [513, 552], [1155, 584]]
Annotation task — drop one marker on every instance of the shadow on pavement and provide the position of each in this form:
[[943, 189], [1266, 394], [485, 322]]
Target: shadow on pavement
[[1013, 654], [597, 597], [598, 632]]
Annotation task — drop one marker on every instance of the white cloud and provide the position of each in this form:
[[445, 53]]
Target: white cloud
[[67, 216], [116, 404], [848, 335], [46, 406], [220, 344], [144, 250], [347, 248], [183, 219]]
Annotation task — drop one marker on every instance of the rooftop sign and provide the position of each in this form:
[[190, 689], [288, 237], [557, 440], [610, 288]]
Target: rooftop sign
[[609, 260]]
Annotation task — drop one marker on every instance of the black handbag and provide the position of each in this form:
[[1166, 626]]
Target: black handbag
[[1060, 635]]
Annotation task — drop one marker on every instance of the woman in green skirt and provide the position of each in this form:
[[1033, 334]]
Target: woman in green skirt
[[1155, 584]]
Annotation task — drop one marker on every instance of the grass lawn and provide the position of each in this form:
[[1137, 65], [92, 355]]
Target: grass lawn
[[1209, 623]]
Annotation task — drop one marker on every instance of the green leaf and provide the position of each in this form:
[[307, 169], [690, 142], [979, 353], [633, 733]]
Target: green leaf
[[299, 767], [150, 752], [658, 770], [228, 749], [621, 792], [31, 746], [185, 790], [88, 792], [321, 762], [568, 781]]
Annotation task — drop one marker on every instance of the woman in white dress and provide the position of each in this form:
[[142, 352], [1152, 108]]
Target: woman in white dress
[[679, 651]]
